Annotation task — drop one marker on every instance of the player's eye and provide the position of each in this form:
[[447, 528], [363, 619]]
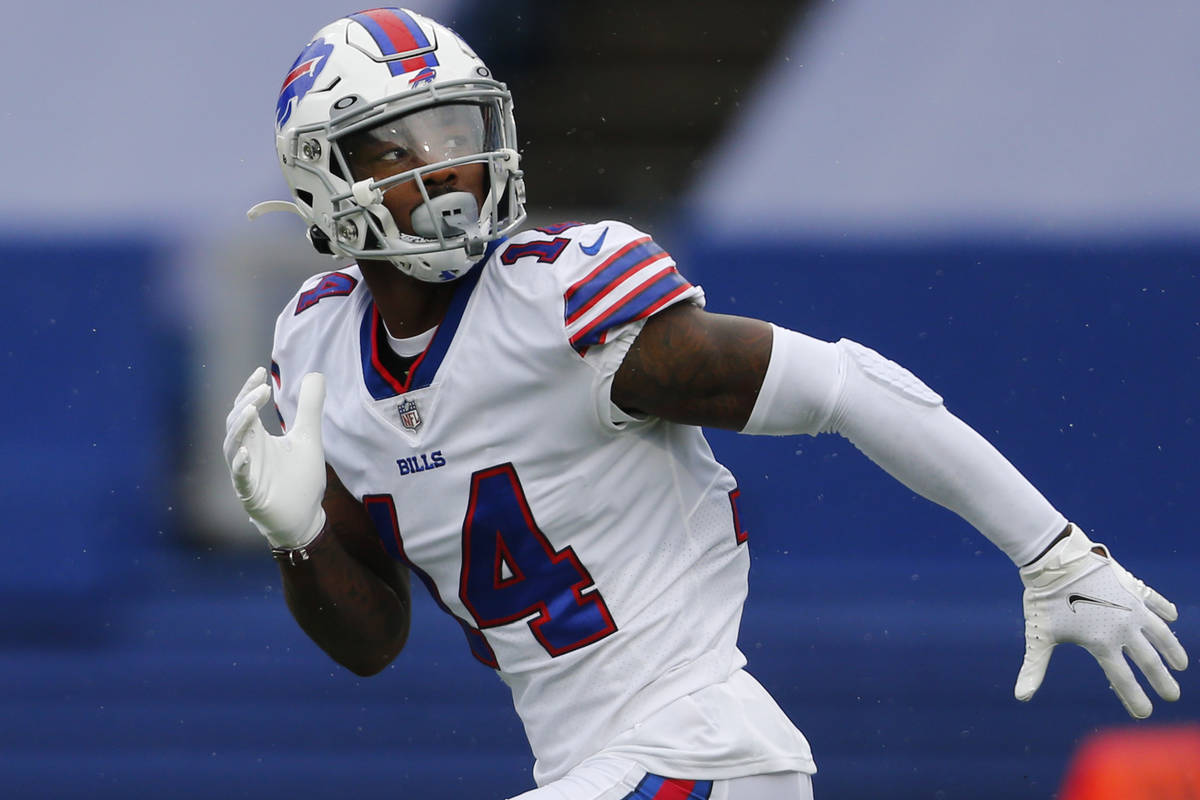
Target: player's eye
[[394, 155]]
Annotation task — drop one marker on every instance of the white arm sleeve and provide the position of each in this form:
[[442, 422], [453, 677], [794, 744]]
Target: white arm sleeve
[[901, 424]]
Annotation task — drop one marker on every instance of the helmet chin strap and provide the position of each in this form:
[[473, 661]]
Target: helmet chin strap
[[450, 214]]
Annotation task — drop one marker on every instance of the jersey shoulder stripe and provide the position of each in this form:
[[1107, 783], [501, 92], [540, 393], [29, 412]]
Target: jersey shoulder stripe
[[602, 276], [625, 278], [655, 292], [589, 290]]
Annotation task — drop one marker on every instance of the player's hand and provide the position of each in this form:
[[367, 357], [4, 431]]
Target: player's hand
[[279, 479], [1078, 593]]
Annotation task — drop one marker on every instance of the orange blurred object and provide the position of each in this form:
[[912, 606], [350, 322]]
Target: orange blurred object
[[1136, 764]]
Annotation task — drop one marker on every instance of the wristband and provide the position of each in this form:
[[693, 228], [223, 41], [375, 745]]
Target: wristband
[[292, 556]]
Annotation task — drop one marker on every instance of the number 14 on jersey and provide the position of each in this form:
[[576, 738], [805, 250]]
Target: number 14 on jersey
[[510, 571]]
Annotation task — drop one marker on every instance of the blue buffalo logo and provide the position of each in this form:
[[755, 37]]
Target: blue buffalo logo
[[301, 78], [423, 77]]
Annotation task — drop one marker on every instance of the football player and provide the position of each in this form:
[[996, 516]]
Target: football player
[[514, 416]]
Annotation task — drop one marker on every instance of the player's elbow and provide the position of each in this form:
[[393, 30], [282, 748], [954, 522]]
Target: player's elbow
[[365, 669], [372, 651], [365, 662]]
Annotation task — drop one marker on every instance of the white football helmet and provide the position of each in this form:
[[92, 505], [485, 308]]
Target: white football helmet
[[391, 77]]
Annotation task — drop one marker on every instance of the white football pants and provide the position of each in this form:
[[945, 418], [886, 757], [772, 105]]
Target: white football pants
[[613, 778]]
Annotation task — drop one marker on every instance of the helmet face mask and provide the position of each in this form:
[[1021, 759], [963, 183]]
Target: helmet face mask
[[386, 111]]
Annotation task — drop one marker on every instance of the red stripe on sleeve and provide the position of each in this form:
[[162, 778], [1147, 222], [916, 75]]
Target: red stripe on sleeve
[[606, 320], [582, 281], [617, 282]]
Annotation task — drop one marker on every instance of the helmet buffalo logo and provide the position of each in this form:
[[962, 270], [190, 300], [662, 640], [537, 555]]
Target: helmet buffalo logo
[[301, 78], [424, 76]]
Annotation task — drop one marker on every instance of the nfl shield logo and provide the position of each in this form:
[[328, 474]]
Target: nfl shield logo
[[410, 416]]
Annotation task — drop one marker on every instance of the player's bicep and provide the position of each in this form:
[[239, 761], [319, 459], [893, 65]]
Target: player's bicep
[[695, 368], [355, 532]]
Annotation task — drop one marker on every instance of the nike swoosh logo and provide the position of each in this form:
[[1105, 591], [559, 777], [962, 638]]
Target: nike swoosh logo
[[1083, 598], [595, 246]]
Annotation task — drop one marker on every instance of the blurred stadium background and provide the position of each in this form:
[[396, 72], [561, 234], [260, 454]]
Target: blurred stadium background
[[1003, 197]]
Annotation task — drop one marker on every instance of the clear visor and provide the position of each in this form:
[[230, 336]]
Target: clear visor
[[420, 139]]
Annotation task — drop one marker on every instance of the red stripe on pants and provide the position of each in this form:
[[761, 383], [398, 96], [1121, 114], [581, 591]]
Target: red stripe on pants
[[675, 790]]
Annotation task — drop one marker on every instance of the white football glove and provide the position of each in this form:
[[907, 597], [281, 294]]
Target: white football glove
[[279, 479], [1075, 594]]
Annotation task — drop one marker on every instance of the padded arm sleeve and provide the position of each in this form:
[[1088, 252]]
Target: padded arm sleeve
[[899, 423]]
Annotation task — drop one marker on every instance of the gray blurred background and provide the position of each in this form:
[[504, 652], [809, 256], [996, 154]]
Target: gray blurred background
[[1003, 197]]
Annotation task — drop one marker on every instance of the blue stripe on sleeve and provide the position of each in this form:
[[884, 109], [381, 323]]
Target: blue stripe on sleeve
[[634, 307], [582, 294]]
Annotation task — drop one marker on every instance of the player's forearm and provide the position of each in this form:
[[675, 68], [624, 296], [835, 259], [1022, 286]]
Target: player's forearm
[[942, 459], [353, 615], [900, 424]]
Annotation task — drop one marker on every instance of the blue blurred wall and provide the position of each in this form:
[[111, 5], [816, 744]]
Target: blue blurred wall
[[90, 375], [133, 665]]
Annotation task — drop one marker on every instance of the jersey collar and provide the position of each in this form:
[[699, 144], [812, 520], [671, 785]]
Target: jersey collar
[[382, 369]]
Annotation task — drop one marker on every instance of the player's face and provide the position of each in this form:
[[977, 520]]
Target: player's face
[[416, 140]]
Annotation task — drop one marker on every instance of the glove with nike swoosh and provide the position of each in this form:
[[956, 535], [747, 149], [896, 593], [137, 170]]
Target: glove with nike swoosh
[[279, 479], [1077, 592]]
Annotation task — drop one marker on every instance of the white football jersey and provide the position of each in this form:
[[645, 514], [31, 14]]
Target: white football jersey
[[593, 559]]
